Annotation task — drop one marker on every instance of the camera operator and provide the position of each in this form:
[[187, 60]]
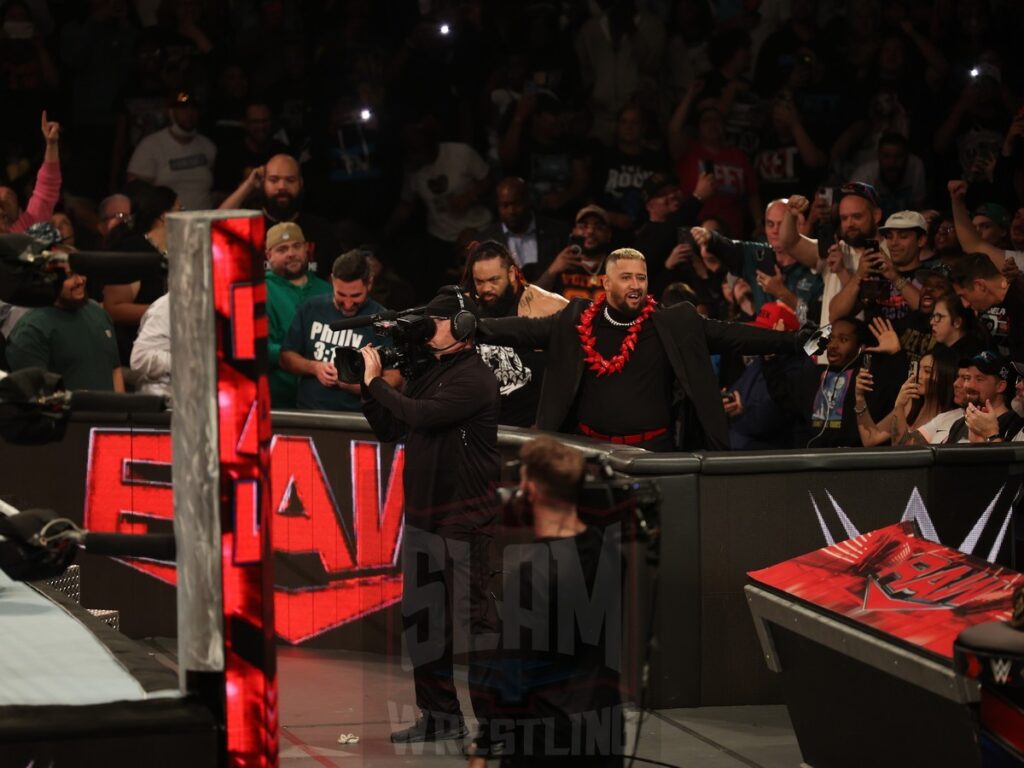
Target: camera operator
[[557, 696], [448, 418]]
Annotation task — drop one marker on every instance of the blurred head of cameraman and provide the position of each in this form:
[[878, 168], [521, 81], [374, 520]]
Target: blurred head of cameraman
[[550, 479]]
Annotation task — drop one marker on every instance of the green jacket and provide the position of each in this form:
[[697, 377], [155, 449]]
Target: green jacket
[[283, 298]]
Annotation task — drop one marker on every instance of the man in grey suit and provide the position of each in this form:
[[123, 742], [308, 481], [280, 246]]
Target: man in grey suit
[[533, 240]]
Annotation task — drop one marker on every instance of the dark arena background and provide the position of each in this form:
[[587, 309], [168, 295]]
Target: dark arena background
[[208, 206]]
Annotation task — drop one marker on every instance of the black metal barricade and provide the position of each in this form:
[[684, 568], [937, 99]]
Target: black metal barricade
[[337, 520]]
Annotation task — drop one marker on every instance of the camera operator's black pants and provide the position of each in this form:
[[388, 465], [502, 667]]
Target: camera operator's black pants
[[448, 611]]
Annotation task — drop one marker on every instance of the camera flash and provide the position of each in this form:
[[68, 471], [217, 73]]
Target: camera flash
[[365, 115], [974, 72], [444, 29]]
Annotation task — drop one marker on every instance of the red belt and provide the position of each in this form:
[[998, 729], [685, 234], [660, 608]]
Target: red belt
[[640, 437]]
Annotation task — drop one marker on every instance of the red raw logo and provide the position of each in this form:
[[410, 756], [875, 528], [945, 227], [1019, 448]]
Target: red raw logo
[[128, 490]]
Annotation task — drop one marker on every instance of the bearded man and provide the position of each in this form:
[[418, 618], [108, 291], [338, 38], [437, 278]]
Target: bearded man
[[501, 291], [622, 370], [279, 190]]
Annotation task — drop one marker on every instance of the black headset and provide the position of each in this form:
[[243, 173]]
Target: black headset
[[463, 322]]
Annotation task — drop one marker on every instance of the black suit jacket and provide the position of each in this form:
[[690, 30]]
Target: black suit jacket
[[552, 237], [688, 340]]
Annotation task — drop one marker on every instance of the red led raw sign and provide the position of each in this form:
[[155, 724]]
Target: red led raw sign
[[128, 490]]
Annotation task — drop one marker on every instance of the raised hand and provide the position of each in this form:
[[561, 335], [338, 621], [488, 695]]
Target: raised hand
[[771, 284], [910, 391], [701, 235], [863, 384], [705, 187], [885, 334], [681, 254], [957, 189], [798, 204], [51, 130]]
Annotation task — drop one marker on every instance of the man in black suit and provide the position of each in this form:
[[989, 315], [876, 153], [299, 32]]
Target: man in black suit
[[533, 240], [614, 364]]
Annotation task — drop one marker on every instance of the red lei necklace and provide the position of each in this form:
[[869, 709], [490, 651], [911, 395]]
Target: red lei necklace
[[591, 356]]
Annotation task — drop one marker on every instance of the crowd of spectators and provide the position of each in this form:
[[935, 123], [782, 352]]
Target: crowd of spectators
[[844, 162]]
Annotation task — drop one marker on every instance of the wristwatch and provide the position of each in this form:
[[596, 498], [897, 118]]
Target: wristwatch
[[994, 438]]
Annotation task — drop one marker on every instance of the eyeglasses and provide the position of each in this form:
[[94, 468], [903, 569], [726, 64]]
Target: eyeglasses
[[937, 317], [947, 229]]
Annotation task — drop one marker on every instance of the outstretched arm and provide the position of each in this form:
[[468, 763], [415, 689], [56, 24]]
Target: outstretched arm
[[48, 180], [731, 252], [723, 336], [966, 232], [800, 247], [677, 138], [533, 332]]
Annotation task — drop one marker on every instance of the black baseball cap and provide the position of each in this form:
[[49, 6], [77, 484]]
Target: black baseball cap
[[933, 268], [992, 364], [446, 303]]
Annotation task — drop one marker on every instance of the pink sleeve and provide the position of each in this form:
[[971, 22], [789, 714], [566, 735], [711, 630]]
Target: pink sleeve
[[44, 197]]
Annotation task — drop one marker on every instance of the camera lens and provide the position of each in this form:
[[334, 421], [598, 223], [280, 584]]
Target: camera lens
[[350, 365]]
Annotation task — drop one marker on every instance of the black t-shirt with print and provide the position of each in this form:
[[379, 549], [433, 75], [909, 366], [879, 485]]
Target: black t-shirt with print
[[1005, 322], [619, 179], [878, 297]]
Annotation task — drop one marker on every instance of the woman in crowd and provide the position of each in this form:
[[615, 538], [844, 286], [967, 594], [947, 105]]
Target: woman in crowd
[[953, 326], [926, 393]]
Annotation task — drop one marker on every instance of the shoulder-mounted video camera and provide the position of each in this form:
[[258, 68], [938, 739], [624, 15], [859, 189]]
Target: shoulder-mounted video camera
[[410, 329], [410, 332]]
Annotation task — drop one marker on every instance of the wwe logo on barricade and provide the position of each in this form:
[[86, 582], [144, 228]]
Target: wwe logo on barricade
[[1001, 670], [917, 512]]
